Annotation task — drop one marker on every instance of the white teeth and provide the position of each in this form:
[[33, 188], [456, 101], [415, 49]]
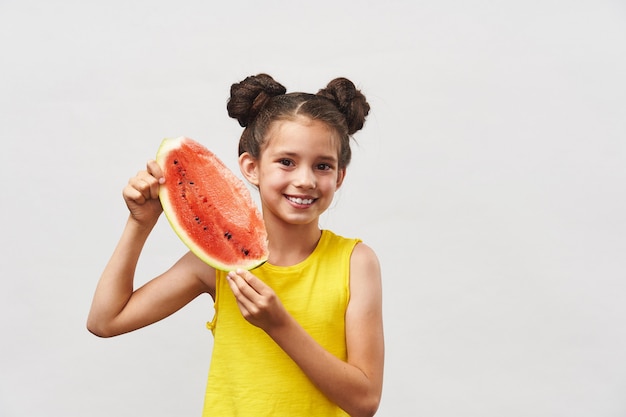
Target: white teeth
[[299, 200]]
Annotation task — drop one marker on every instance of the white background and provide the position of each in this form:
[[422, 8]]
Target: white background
[[490, 179]]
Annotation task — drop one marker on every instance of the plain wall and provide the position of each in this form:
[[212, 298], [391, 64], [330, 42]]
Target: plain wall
[[490, 179]]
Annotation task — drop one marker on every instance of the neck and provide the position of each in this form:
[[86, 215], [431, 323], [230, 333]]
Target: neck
[[291, 244]]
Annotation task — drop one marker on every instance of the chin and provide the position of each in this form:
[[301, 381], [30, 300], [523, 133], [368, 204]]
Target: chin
[[300, 220]]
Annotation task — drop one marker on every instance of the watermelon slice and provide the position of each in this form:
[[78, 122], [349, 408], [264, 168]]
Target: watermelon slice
[[209, 208]]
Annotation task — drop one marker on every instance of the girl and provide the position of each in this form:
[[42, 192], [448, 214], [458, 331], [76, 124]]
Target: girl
[[302, 334]]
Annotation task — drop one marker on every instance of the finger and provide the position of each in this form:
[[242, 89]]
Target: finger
[[131, 193], [153, 187], [254, 287], [243, 289], [146, 184], [153, 178], [253, 281], [155, 170], [238, 287]]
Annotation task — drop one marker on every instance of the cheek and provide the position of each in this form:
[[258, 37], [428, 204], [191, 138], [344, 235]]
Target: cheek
[[328, 182], [272, 180]]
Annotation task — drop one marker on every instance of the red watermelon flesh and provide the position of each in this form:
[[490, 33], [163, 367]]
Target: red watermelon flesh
[[209, 208]]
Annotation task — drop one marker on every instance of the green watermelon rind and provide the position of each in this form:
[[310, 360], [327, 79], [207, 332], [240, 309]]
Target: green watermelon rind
[[166, 146]]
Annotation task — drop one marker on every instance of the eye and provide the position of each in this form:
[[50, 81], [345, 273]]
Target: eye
[[324, 167], [286, 162]]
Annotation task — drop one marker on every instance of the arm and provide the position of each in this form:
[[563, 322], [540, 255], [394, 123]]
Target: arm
[[355, 385], [116, 307]]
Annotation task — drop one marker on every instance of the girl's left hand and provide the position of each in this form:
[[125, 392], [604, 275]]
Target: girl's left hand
[[257, 302]]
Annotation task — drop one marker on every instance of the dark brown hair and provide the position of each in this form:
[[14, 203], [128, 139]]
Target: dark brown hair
[[259, 100]]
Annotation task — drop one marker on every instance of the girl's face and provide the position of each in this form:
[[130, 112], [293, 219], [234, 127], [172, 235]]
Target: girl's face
[[297, 173]]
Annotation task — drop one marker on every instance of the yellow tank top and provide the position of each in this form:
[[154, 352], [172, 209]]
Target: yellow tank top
[[250, 375]]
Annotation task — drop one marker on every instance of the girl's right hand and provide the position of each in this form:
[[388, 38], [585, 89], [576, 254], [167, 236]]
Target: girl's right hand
[[141, 194]]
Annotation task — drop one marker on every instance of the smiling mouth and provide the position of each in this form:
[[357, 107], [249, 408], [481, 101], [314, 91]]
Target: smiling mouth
[[298, 200]]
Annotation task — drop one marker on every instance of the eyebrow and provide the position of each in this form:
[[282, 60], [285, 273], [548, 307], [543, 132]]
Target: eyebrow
[[329, 158]]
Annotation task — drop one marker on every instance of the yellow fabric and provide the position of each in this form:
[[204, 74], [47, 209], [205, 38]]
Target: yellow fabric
[[250, 375]]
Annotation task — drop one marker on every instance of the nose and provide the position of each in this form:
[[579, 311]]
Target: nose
[[305, 178]]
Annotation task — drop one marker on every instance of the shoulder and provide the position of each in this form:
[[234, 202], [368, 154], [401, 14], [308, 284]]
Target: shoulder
[[364, 256], [365, 275], [332, 239], [364, 323], [361, 255]]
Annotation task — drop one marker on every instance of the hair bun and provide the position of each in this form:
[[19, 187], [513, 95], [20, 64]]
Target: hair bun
[[349, 100], [248, 97]]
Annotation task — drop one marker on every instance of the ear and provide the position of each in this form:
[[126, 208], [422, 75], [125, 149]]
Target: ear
[[340, 176], [249, 167]]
